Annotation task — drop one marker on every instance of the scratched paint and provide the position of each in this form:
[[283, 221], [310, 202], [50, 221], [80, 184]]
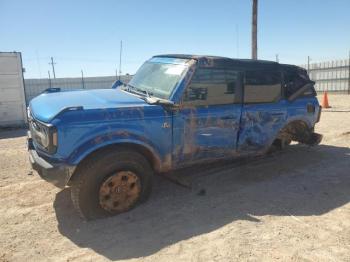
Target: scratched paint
[[177, 136], [205, 132]]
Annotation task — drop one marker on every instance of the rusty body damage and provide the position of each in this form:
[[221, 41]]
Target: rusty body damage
[[184, 130]]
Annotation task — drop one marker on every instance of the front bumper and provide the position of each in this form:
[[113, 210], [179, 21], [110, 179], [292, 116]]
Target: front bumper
[[56, 174]]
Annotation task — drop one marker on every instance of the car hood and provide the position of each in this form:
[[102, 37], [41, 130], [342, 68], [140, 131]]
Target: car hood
[[46, 106]]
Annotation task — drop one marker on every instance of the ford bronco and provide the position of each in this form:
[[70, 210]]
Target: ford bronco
[[177, 110]]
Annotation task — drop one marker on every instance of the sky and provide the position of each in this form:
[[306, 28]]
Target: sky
[[86, 35]]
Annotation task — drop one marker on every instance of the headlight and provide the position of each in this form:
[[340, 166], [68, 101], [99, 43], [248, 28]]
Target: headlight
[[44, 135]]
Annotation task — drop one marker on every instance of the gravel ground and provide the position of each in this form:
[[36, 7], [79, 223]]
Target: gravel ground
[[292, 206]]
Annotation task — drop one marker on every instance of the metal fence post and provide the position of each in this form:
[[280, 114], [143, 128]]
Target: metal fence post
[[82, 79], [349, 75], [49, 78]]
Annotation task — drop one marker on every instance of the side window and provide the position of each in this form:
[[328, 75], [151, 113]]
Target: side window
[[262, 86], [295, 80], [212, 87]]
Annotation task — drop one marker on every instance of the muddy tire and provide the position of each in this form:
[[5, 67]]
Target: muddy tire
[[111, 183], [279, 144]]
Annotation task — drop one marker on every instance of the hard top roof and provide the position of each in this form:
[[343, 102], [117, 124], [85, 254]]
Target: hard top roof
[[225, 62]]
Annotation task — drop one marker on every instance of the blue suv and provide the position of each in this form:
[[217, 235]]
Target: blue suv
[[177, 110]]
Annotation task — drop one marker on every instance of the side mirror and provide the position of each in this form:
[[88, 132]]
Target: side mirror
[[52, 90], [175, 107], [117, 83]]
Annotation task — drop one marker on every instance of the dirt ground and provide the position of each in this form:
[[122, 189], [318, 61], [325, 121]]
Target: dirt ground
[[294, 205]]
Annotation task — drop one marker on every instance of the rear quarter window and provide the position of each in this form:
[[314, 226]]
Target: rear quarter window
[[296, 79]]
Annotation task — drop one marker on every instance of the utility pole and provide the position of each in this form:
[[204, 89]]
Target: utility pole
[[308, 65], [82, 79], [255, 30], [277, 59], [120, 58], [53, 67]]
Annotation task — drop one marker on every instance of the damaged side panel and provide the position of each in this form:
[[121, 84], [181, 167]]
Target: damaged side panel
[[300, 110], [208, 132], [260, 124]]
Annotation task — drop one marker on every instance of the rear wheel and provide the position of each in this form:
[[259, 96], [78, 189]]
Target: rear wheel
[[279, 144], [111, 183]]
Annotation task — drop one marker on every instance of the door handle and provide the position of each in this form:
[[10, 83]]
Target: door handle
[[227, 117], [277, 114]]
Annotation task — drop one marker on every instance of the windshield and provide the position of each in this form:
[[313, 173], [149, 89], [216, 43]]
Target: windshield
[[159, 76]]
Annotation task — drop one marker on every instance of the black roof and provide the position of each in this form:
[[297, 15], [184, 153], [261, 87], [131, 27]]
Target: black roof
[[226, 62]]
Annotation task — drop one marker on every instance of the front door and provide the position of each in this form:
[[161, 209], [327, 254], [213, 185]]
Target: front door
[[207, 124]]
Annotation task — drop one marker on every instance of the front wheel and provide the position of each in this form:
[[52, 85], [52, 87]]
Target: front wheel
[[111, 183]]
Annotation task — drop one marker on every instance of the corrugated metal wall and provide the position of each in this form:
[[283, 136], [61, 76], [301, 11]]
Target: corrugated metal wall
[[34, 87], [331, 76], [12, 106]]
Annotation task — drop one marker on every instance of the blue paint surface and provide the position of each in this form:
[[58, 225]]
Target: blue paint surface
[[175, 137], [46, 106], [204, 133], [260, 124]]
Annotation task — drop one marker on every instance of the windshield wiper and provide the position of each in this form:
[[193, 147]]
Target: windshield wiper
[[137, 90], [158, 101], [133, 89], [148, 97], [148, 94]]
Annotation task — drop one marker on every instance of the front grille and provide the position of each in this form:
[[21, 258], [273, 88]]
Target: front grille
[[33, 127]]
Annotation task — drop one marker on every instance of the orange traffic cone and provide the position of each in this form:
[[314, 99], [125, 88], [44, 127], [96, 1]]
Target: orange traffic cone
[[325, 100]]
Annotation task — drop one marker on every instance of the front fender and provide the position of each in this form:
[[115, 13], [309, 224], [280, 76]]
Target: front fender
[[113, 138]]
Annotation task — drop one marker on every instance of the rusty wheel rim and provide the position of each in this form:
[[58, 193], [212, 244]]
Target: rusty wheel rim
[[120, 192]]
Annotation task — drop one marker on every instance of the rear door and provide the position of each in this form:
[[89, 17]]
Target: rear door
[[263, 112], [206, 126]]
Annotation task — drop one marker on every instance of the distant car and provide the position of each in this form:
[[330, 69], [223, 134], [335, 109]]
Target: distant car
[[178, 110]]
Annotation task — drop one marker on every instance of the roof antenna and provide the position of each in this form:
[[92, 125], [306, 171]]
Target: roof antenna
[[120, 58], [237, 40]]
